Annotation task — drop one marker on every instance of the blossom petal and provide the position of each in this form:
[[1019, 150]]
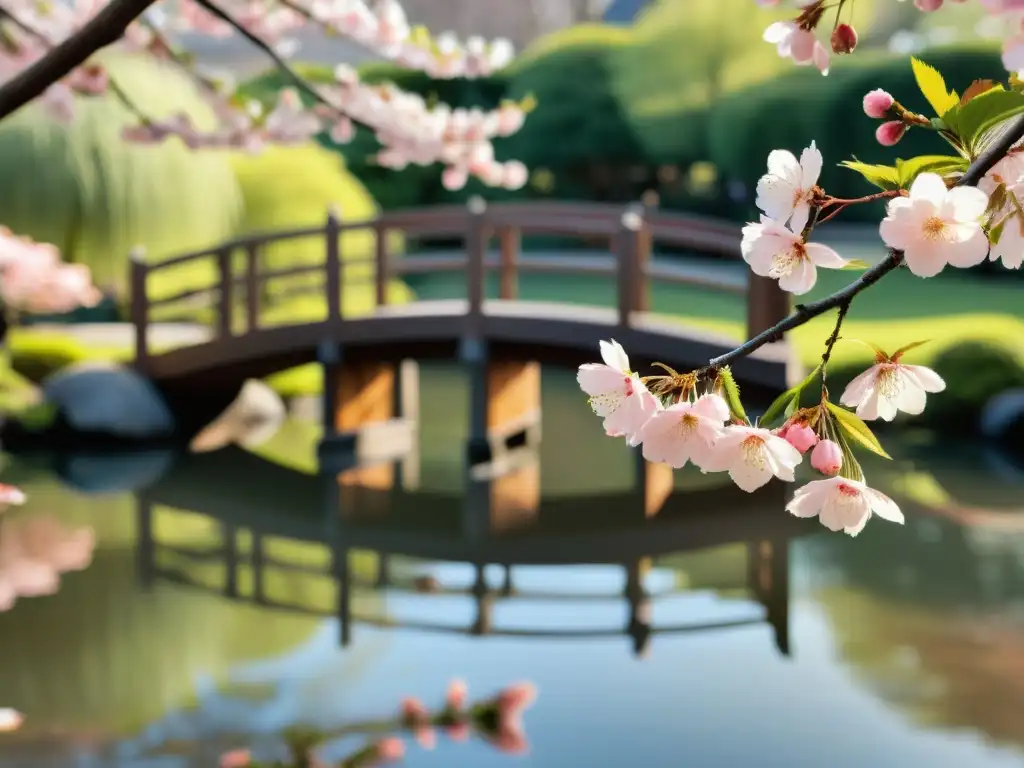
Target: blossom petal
[[750, 476], [801, 215], [857, 527], [783, 163], [712, 406], [971, 250], [926, 259], [930, 187], [779, 31], [614, 355], [810, 165], [966, 203], [801, 279], [595, 378], [858, 388], [883, 506], [823, 256], [911, 398], [775, 195], [924, 377]]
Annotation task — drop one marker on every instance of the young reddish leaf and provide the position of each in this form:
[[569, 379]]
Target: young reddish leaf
[[976, 88], [895, 356]]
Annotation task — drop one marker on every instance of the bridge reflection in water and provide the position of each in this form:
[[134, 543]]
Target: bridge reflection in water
[[497, 519]]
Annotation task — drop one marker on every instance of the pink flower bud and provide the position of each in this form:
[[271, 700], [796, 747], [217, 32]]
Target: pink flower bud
[[888, 134], [414, 711], [844, 39], [827, 458], [877, 103], [801, 437], [390, 749], [457, 693], [928, 6]]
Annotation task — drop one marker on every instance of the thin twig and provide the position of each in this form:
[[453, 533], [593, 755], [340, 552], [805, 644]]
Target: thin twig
[[273, 55], [805, 312], [831, 341], [105, 28]]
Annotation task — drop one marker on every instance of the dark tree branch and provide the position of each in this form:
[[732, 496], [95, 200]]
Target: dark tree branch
[[105, 28], [273, 55], [805, 312]]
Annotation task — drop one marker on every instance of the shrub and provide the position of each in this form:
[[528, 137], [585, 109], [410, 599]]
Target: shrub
[[83, 188], [974, 372], [801, 105]]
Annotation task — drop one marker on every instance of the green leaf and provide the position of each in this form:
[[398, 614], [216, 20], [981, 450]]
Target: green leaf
[[908, 170], [933, 87], [788, 401], [883, 176], [984, 112], [851, 468], [731, 393], [856, 265], [855, 429]]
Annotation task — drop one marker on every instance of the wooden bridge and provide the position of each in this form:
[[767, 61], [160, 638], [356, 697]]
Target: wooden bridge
[[504, 337]]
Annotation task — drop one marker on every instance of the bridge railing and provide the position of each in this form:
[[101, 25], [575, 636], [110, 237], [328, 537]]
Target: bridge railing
[[236, 297]]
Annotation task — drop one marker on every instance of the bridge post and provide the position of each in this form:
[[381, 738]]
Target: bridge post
[[768, 565], [139, 298], [502, 496], [332, 264], [504, 402], [627, 251], [767, 304], [652, 484], [369, 418]]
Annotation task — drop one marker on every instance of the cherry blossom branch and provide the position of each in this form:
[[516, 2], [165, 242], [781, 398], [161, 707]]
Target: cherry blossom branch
[[831, 341], [805, 312], [105, 28], [299, 81]]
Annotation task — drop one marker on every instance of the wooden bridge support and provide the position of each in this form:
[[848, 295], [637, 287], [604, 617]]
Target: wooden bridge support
[[370, 421], [768, 564], [502, 496], [652, 484], [504, 402]]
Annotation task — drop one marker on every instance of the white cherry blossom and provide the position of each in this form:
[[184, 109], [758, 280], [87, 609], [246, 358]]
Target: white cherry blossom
[[936, 226], [842, 504], [1010, 247], [616, 393], [889, 387], [752, 456], [685, 431], [773, 250], [786, 191], [794, 42]]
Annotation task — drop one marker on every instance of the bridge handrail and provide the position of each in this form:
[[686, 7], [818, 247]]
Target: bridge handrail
[[630, 232]]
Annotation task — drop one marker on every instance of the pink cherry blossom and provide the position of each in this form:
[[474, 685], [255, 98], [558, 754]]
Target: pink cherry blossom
[[793, 42], [800, 436], [842, 504], [685, 431], [236, 758], [877, 103], [827, 458], [752, 456], [9, 494], [773, 250], [888, 134], [887, 388], [786, 191], [390, 749], [616, 393], [936, 226], [1010, 247], [457, 695], [928, 6], [414, 711]]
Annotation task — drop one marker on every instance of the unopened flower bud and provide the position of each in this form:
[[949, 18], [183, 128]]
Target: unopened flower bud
[[801, 437], [928, 6], [844, 39], [827, 458], [877, 103], [888, 134], [390, 749]]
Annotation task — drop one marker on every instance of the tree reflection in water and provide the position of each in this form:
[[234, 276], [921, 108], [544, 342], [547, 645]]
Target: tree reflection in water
[[34, 551]]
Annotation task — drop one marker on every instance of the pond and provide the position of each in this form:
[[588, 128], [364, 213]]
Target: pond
[[208, 613]]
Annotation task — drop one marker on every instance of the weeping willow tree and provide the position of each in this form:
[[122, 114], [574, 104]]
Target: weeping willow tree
[[82, 187]]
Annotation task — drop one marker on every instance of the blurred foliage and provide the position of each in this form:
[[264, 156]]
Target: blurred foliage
[[791, 110], [81, 186], [974, 373]]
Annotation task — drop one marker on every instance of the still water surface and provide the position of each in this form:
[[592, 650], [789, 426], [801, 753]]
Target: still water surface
[[905, 645]]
